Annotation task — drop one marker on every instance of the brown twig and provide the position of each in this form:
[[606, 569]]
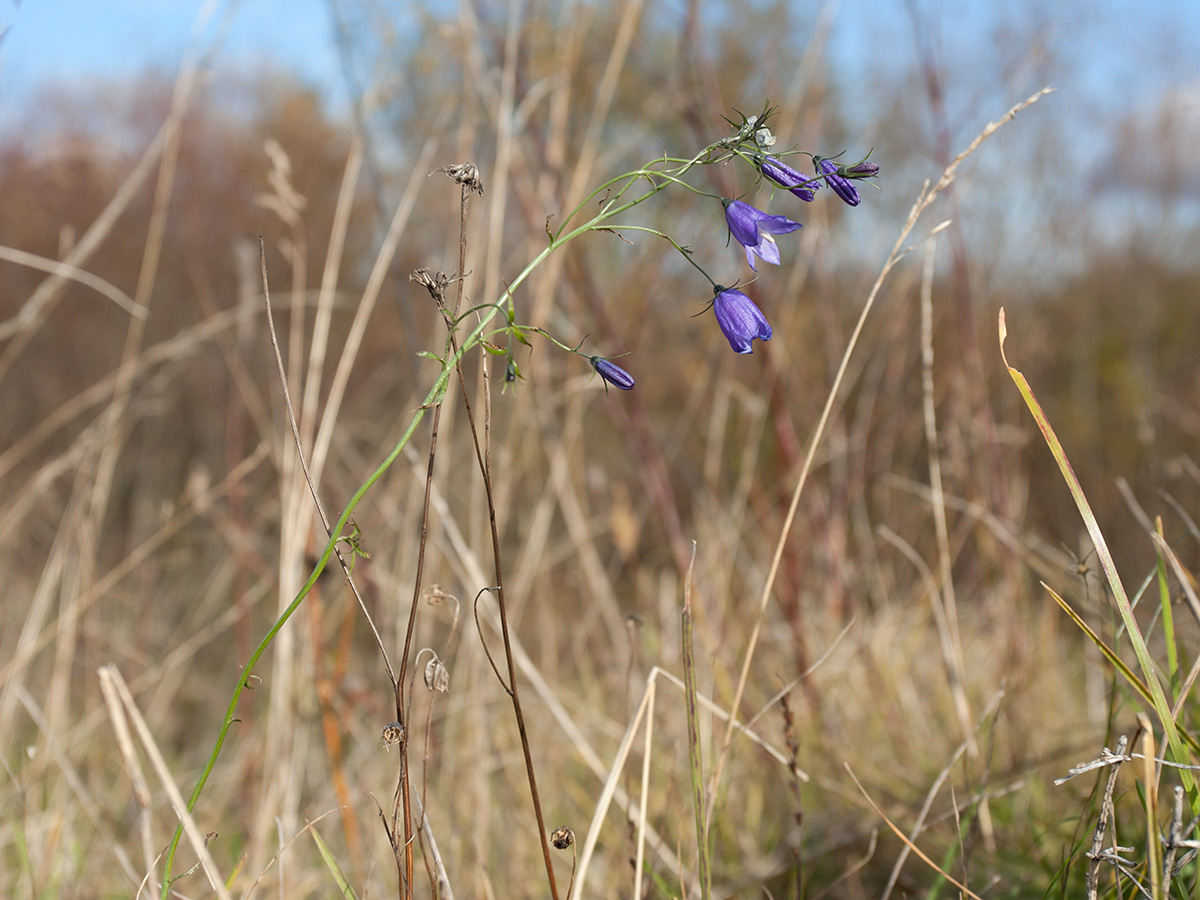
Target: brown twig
[[468, 177], [483, 458], [1095, 856]]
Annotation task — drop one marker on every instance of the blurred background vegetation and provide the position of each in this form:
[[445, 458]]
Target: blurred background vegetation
[[152, 516]]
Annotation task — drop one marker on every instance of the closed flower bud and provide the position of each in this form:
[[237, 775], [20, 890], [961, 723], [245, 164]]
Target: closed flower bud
[[840, 184], [787, 177], [611, 373], [863, 169]]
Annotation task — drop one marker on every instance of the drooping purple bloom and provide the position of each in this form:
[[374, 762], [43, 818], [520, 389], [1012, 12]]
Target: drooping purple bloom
[[840, 184], [755, 230], [787, 177], [611, 373], [740, 319]]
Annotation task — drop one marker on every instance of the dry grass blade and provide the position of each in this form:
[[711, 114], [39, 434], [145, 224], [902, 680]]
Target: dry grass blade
[[695, 751], [1150, 780], [362, 315], [34, 638], [63, 270], [645, 709], [133, 767], [932, 793], [78, 788], [308, 478], [112, 682], [908, 843]]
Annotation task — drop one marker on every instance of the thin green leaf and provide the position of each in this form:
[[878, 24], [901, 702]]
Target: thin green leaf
[[1108, 652], [1168, 618], [334, 869], [1158, 699]]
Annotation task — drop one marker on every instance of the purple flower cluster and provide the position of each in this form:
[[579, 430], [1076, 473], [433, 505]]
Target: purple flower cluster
[[740, 319], [738, 316]]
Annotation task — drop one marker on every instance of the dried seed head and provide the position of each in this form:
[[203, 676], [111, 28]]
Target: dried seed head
[[437, 676], [393, 733], [466, 174], [562, 838], [436, 595], [434, 282]]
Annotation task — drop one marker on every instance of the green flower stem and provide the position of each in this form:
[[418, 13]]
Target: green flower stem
[[533, 329], [683, 251], [435, 395], [631, 178]]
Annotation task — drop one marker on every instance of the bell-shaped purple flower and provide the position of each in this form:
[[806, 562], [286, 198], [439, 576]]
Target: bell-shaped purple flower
[[740, 319], [755, 230], [840, 184], [611, 373], [787, 177]]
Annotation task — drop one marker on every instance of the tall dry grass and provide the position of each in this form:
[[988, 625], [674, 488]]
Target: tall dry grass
[[870, 510]]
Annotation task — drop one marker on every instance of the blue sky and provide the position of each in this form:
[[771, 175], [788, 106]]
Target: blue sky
[[1123, 47], [66, 40]]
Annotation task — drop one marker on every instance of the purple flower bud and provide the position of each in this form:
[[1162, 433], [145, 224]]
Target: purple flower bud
[[787, 177], [840, 184], [863, 169], [755, 230], [611, 373], [740, 320]]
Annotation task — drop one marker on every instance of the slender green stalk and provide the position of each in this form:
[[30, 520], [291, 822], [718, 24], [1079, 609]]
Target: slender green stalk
[[1168, 618]]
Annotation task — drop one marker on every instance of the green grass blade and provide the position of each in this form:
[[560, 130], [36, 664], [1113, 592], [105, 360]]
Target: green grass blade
[[335, 870], [1158, 699], [1168, 619]]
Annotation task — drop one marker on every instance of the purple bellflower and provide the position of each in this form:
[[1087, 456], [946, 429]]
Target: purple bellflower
[[840, 184], [739, 318], [611, 373], [755, 230], [787, 177]]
